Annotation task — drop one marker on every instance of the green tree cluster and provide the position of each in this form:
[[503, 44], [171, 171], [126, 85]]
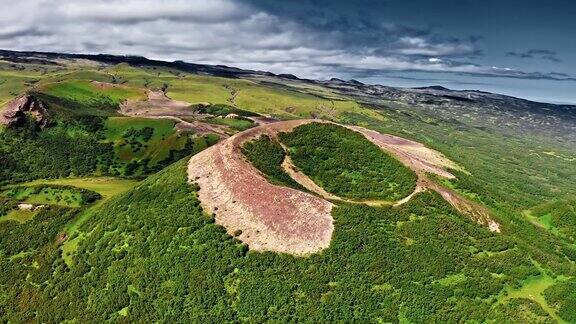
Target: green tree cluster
[[346, 164]]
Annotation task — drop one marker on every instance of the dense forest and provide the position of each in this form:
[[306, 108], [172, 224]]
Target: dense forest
[[31, 153], [422, 262], [346, 164], [267, 156], [80, 147]]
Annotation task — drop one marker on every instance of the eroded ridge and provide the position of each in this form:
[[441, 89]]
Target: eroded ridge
[[424, 160], [263, 215], [415, 155]]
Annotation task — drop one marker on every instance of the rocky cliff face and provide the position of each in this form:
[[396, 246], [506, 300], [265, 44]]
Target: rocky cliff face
[[15, 112]]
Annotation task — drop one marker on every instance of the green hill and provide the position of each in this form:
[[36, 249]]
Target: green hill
[[151, 254], [99, 223]]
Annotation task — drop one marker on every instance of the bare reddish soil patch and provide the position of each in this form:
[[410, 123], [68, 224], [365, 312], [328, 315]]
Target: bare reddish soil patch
[[425, 160], [15, 111], [265, 216], [158, 105], [413, 154]]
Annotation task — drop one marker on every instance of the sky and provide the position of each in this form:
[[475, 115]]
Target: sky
[[521, 48]]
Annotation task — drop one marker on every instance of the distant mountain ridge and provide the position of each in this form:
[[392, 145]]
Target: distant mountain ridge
[[216, 70], [481, 109]]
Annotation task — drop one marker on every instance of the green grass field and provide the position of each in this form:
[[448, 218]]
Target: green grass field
[[533, 289], [46, 196], [85, 92], [21, 216], [155, 148], [106, 186]]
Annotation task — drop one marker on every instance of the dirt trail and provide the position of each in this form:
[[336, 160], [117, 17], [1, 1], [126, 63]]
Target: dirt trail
[[419, 188], [305, 181], [158, 105], [423, 160]]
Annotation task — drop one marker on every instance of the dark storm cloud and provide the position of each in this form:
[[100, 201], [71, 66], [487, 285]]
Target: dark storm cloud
[[357, 27], [463, 69], [543, 54], [24, 32]]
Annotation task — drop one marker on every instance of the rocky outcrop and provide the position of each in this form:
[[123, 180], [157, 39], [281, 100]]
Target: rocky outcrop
[[15, 112]]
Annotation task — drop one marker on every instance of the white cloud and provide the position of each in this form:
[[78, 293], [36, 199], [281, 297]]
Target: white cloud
[[220, 32], [421, 46]]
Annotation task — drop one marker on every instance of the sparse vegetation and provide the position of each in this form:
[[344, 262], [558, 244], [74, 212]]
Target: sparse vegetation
[[67, 196]]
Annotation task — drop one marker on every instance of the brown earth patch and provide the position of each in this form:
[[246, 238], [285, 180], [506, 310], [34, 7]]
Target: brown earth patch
[[265, 216], [14, 112], [158, 105], [424, 160]]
